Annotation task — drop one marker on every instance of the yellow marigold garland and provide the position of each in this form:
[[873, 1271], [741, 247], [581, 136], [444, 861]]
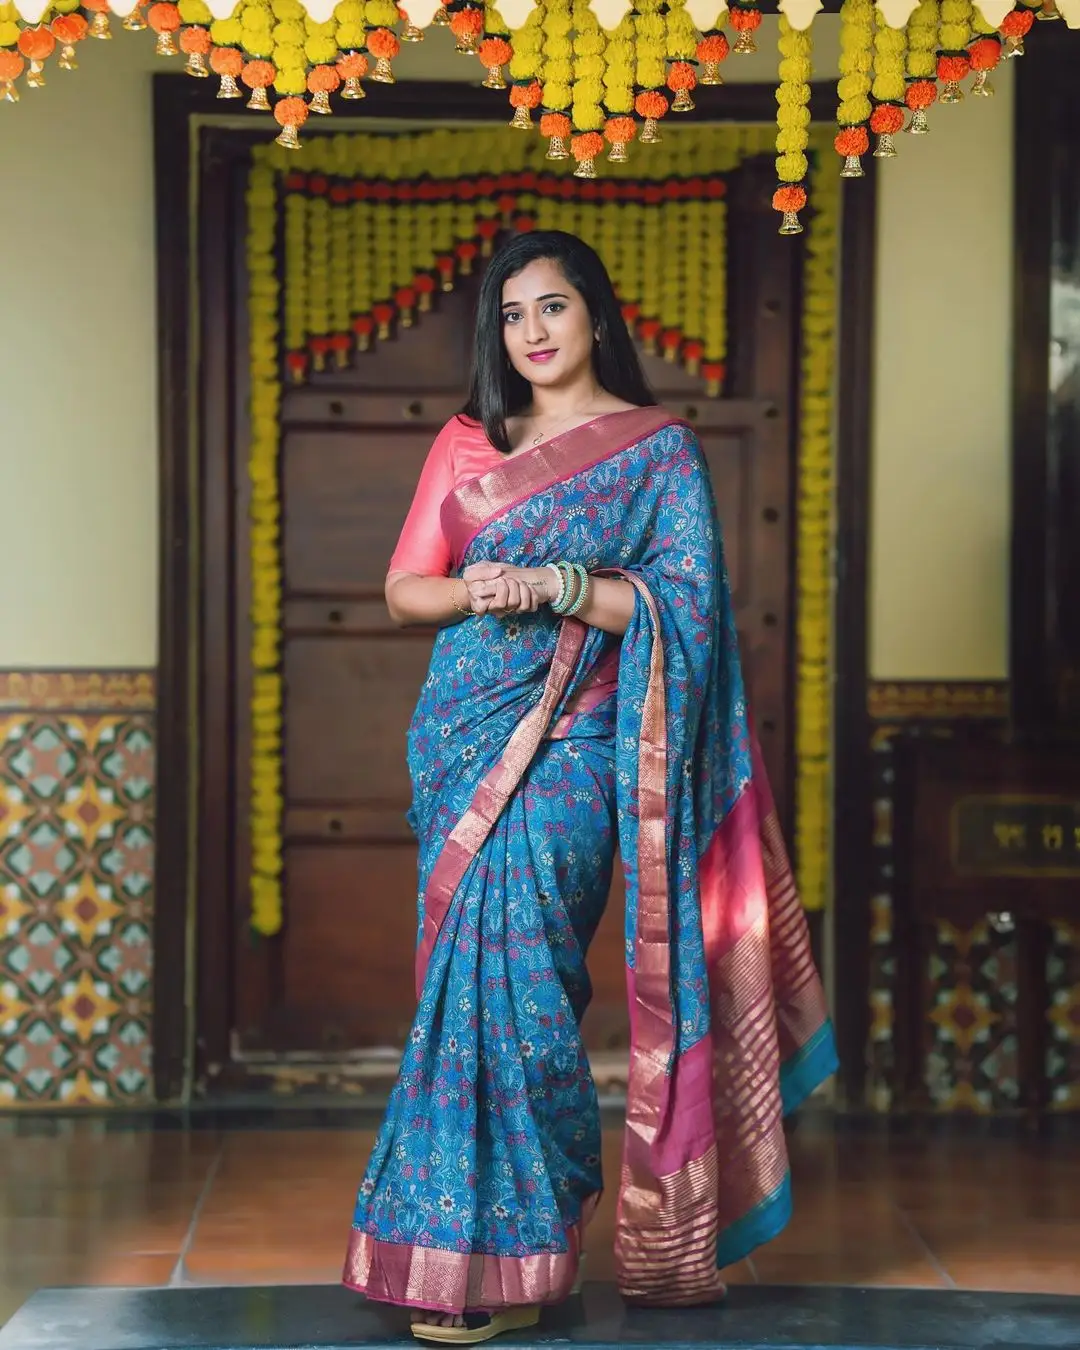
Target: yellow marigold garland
[[318, 262], [922, 37], [953, 61], [588, 90], [856, 49], [651, 104], [265, 514], [341, 268], [620, 128], [526, 66], [289, 36], [814, 526], [557, 78], [296, 296], [887, 91], [792, 124], [681, 41]]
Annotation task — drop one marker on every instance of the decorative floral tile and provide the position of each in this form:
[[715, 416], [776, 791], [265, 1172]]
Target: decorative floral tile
[[76, 903]]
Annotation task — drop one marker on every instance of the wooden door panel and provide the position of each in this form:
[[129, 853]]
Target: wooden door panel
[[348, 702], [347, 977]]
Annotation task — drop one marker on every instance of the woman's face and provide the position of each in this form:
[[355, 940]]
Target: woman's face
[[546, 326]]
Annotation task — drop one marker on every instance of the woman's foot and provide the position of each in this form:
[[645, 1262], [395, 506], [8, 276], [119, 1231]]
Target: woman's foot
[[471, 1328]]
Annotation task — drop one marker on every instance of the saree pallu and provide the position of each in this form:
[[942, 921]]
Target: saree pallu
[[539, 746]]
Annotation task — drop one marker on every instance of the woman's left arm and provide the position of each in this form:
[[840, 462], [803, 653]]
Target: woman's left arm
[[609, 605]]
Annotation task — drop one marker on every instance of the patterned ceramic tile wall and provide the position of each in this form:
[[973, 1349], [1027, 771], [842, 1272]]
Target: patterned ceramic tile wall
[[76, 887], [972, 1060]]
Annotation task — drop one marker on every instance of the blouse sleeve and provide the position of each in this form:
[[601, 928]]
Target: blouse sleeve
[[422, 547]]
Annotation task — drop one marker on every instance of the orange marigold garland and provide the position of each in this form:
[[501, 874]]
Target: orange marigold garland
[[322, 81], [681, 42], [619, 132], [712, 51], [384, 46], [195, 43], [494, 53], [164, 19], [227, 63], [36, 45], [352, 67], [953, 62], [1014, 29], [792, 124], [258, 75], [524, 99], [290, 114], [585, 149], [985, 52], [12, 66], [99, 23], [525, 68], [556, 128], [856, 46], [467, 25], [68, 29], [746, 20]]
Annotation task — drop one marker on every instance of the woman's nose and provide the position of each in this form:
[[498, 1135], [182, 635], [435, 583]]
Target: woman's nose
[[535, 329]]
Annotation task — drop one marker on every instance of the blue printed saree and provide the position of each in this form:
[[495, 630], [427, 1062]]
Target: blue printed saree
[[540, 746]]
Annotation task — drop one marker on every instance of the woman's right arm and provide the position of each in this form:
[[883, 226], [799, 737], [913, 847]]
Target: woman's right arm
[[414, 599]]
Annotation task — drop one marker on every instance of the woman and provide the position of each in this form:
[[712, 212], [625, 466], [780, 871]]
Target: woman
[[584, 694]]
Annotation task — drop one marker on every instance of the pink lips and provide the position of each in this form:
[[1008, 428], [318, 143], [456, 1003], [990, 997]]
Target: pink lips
[[541, 357]]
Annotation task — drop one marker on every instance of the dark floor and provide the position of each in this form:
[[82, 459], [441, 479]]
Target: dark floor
[[88, 1203]]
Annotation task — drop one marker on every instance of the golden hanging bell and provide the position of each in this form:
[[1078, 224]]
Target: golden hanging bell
[[650, 132], [228, 88], [522, 119], [383, 72], [886, 147], [166, 45], [619, 153], [467, 45], [258, 102], [683, 102], [791, 224], [710, 73], [852, 168], [341, 358], [8, 91], [442, 17], [363, 342], [423, 302], [982, 88], [586, 169], [745, 44], [494, 78], [352, 89], [320, 103], [35, 78], [100, 27], [66, 59], [289, 138], [1014, 46], [557, 149], [412, 33], [135, 23], [196, 66], [919, 124], [952, 93]]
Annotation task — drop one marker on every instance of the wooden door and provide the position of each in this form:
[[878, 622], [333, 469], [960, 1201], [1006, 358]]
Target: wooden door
[[337, 984]]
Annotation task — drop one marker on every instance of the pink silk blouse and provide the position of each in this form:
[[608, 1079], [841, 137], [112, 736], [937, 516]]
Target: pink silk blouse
[[461, 452]]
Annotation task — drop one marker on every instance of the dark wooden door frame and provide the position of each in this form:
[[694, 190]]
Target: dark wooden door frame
[[190, 749]]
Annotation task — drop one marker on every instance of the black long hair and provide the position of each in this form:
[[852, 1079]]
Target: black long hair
[[496, 390]]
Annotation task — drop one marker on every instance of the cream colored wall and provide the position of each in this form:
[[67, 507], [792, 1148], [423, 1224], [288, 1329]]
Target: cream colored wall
[[78, 458], [77, 372], [939, 510]]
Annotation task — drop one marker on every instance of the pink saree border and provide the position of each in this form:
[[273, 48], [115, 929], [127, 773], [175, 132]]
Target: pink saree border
[[481, 500], [455, 1282]]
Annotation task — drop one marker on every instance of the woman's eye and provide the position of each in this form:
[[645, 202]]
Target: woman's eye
[[554, 308], [511, 316]]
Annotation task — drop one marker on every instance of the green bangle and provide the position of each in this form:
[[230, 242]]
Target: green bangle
[[583, 593], [570, 588]]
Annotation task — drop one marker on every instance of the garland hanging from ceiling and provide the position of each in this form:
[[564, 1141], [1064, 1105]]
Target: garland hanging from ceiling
[[591, 76], [369, 237]]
